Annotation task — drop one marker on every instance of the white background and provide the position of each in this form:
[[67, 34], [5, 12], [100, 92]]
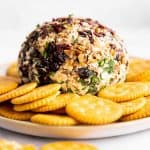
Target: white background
[[130, 18]]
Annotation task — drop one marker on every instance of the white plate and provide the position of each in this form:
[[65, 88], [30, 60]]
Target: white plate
[[73, 132]]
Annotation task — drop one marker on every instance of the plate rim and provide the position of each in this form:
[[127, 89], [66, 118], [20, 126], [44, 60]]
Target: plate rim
[[76, 126], [78, 132]]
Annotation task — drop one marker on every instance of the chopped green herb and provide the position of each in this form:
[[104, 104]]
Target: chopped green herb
[[84, 88], [69, 90], [74, 40], [46, 45], [50, 27], [107, 69], [92, 89], [110, 67], [45, 50], [101, 77], [83, 82], [45, 54], [62, 82], [101, 63], [37, 25], [104, 86], [111, 80], [95, 80], [111, 63], [70, 15], [52, 73]]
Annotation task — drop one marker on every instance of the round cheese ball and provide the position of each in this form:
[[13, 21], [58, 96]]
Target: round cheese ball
[[79, 53]]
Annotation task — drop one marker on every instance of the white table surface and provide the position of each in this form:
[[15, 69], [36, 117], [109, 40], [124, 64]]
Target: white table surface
[[136, 141]]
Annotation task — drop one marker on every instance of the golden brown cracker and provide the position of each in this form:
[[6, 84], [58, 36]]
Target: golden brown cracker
[[28, 147], [133, 106], [10, 78], [59, 102], [55, 120], [12, 70], [37, 103], [125, 91], [141, 113], [136, 67], [7, 85], [143, 76], [38, 93], [18, 91], [7, 111], [68, 145], [93, 110], [12, 145]]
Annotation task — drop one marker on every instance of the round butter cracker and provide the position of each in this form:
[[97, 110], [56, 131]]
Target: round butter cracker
[[54, 120], [37, 103], [38, 93], [125, 91], [93, 110], [18, 91]]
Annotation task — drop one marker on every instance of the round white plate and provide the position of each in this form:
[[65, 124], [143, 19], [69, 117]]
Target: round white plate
[[73, 132]]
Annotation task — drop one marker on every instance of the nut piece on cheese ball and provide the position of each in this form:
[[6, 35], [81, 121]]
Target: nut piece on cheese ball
[[80, 54]]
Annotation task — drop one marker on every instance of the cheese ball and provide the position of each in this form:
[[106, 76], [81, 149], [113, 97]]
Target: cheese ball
[[79, 53]]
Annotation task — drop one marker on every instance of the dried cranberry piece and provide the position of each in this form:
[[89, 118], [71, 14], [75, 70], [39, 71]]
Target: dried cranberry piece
[[82, 33], [63, 46], [43, 74], [84, 73], [43, 32], [57, 27], [55, 55], [60, 19], [34, 53], [33, 36], [24, 70]]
